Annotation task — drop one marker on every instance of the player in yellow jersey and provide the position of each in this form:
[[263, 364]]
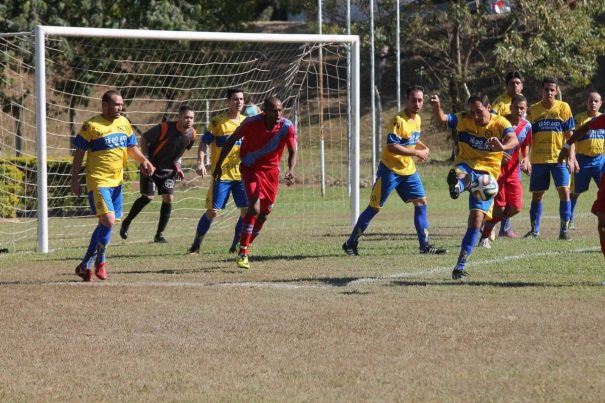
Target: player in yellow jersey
[[514, 86], [552, 123], [502, 106], [107, 140], [482, 138], [397, 171], [221, 127], [588, 152]]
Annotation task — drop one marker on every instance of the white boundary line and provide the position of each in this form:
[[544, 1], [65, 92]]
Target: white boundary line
[[295, 285]]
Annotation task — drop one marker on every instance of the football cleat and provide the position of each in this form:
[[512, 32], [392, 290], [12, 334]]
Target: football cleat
[[564, 236], [234, 247], [193, 251], [83, 272], [432, 250], [458, 274], [452, 181], [572, 224], [100, 271], [484, 243], [350, 250], [124, 229], [531, 235], [159, 238], [242, 261]]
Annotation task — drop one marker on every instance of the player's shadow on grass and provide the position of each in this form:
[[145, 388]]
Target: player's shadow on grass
[[478, 283]]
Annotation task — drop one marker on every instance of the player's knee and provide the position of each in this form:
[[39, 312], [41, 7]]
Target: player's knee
[[211, 214], [148, 197], [511, 211], [167, 198]]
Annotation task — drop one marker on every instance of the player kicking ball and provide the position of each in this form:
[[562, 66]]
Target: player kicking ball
[[264, 138], [483, 138], [397, 171]]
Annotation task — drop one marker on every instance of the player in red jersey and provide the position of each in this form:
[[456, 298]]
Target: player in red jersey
[[595, 129], [264, 138], [508, 201]]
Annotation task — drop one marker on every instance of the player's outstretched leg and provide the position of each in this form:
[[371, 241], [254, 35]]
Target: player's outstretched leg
[[104, 235], [350, 245], [241, 259], [203, 225], [468, 242], [137, 207], [454, 184]]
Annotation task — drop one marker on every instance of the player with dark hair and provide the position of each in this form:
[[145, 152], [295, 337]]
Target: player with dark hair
[[508, 201], [588, 153], [514, 86], [107, 140], [552, 123], [397, 171], [230, 182], [165, 144], [595, 128], [264, 138], [483, 138]]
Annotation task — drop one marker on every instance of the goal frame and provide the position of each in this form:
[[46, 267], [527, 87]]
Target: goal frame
[[42, 31]]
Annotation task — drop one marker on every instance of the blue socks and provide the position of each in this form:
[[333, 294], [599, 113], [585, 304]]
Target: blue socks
[[421, 223], [92, 249], [203, 226], [103, 237], [535, 214], [362, 224], [565, 212], [468, 244]]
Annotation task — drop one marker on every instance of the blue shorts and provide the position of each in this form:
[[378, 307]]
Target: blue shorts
[[218, 194], [409, 187], [590, 168], [474, 203], [106, 200], [539, 180]]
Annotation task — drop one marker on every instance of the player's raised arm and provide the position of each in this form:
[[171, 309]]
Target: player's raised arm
[[438, 113]]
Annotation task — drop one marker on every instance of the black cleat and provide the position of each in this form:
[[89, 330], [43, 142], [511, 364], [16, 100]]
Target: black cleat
[[233, 248], [124, 229], [458, 274], [452, 181], [531, 235], [432, 250], [350, 250], [159, 238]]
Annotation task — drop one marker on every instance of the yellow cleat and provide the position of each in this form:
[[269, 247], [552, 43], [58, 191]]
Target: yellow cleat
[[242, 261]]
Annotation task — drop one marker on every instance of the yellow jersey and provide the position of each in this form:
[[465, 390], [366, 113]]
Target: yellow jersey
[[106, 143], [406, 133], [592, 143], [472, 141], [501, 104], [548, 130], [219, 130]]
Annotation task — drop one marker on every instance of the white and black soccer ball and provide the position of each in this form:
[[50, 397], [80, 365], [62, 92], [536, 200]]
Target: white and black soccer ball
[[484, 187]]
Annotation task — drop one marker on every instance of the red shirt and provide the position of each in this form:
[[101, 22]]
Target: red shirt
[[262, 148], [509, 170]]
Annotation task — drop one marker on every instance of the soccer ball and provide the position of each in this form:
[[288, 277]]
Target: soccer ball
[[484, 187]]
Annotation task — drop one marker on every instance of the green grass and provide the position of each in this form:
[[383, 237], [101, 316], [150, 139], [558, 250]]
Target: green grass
[[307, 322]]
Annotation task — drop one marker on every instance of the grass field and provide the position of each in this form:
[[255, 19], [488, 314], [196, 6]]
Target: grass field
[[307, 323]]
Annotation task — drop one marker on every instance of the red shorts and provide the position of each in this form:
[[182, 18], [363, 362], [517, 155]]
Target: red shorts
[[261, 184], [599, 205], [510, 193]]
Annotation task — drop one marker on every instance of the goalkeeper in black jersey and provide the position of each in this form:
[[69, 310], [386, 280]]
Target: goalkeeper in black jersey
[[164, 144]]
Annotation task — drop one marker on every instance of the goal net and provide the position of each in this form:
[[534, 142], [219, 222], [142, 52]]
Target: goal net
[[156, 72]]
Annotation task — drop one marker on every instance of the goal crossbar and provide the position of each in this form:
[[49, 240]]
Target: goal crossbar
[[42, 31]]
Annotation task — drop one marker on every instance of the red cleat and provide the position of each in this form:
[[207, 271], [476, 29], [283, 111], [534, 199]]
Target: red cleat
[[100, 271], [83, 272]]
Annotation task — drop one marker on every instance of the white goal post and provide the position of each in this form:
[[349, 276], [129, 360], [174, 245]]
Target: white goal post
[[42, 33]]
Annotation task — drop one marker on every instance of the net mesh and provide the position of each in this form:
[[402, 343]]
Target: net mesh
[[155, 77]]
